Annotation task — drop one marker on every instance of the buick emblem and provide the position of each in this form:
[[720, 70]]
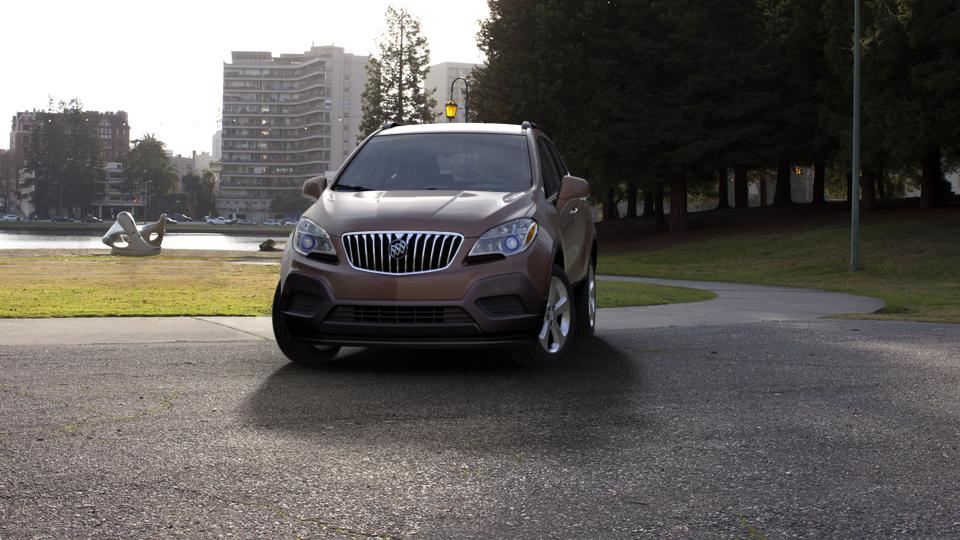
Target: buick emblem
[[398, 248]]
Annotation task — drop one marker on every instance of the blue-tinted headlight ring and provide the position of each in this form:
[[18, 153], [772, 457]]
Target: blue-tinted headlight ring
[[307, 242], [511, 243]]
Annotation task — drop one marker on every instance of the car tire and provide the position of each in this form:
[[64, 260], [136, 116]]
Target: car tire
[[297, 352], [586, 304], [556, 331]]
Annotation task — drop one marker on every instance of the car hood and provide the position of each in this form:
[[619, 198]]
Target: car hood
[[470, 213]]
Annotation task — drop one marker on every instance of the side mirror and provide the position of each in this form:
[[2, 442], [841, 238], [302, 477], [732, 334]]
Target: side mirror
[[314, 187], [572, 187]]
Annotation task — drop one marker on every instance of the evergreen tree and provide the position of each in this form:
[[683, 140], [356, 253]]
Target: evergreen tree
[[65, 158], [371, 102], [395, 89], [148, 169], [932, 112]]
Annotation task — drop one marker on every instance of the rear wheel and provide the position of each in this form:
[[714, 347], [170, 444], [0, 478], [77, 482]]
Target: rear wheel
[[586, 304], [553, 340], [297, 352]]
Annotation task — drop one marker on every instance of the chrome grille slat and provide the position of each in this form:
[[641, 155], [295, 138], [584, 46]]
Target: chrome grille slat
[[427, 251]]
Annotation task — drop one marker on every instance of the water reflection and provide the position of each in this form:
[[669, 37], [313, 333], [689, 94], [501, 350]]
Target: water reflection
[[214, 241]]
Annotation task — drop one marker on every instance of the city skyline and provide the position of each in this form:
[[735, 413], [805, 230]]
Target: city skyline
[[165, 70]]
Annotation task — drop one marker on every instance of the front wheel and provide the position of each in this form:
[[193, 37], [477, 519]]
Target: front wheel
[[297, 352], [556, 330], [586, 305]]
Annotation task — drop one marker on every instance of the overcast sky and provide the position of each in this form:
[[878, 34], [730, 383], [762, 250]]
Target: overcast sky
[[163, 62]]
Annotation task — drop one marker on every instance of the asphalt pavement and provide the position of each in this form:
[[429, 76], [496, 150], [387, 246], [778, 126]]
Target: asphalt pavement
[[824, 428]]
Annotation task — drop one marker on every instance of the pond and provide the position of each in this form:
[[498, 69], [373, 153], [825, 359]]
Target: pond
[[214, 241]]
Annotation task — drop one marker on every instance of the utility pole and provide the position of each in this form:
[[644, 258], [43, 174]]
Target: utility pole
[[855, 174]]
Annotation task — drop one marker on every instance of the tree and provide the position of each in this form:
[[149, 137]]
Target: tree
[[932, 30], [199, 188], [372, 101], [394, 89], [148, 170], [205, 199], [65, 158], [289, 202]]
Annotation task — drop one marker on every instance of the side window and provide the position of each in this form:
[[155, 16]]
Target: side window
[[561, 168], [548, 168]]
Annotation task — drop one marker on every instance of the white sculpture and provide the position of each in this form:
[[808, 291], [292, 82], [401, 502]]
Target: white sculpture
[[126, 238]]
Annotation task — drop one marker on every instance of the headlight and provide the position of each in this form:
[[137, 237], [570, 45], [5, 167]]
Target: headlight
[[508, 239], [311, 238]]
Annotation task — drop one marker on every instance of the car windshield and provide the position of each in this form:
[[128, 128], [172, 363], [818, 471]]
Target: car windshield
[[448, 161]]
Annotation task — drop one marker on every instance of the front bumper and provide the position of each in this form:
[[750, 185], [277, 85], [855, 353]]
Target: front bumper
[[499, 310]]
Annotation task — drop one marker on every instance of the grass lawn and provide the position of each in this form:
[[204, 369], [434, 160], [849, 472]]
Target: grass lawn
[[102, 285], [623, 294], [910, 260]]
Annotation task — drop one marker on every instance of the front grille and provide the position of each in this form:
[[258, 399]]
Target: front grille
[[425, 251], [399, 315]]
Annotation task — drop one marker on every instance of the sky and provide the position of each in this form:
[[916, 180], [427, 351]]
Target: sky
[[162, 62]]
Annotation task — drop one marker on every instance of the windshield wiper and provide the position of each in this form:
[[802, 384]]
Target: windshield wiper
[[346, 187]]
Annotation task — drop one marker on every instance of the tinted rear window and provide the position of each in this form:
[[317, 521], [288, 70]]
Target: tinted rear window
[[442, 161]]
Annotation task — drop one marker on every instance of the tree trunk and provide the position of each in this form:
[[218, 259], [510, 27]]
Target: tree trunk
[[782, 196], [819, 183], [609, 206], [632, 199], [868, 195], [930, 177], [648, 208], [741, 191], [658, 207], [881, 186], [763, 190], [723, 191], [678, 210]]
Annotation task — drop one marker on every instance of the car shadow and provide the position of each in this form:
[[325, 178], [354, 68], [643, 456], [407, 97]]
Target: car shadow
[[450, 398]]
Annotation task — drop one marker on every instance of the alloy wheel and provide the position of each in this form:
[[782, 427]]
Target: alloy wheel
[[592, 297], [556, 318]]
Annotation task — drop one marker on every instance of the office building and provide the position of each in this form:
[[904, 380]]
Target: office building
[[285, 119]]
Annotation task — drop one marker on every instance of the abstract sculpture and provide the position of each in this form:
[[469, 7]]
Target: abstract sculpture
[[126, 238]]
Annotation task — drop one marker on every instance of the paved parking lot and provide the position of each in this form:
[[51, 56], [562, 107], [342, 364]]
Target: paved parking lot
[[825, 428]]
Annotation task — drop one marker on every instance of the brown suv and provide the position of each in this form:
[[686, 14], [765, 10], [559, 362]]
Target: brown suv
[[442, 235]]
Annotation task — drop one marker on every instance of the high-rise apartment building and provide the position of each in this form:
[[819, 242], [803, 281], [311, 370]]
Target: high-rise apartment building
[[438, 81], [286, 118]]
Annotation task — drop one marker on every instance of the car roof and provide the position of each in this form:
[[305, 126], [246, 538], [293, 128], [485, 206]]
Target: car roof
[[454, 127]]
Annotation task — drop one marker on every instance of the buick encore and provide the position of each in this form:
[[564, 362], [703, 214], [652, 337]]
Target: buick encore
[[450, 235]]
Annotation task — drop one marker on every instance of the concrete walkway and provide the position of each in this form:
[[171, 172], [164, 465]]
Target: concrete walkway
[[735, 303]]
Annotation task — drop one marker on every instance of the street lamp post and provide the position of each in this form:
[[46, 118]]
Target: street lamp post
[[450, 109], [855, 173]]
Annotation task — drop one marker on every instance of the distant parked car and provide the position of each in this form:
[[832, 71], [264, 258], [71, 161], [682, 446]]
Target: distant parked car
[[271, 221], [60, 219], [289, 221], [169, 220], [90, 218], [182, 218], [10, 217], [219, 220]]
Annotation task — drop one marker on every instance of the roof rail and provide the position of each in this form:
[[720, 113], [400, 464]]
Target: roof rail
[[389, 124], [528, 125]]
